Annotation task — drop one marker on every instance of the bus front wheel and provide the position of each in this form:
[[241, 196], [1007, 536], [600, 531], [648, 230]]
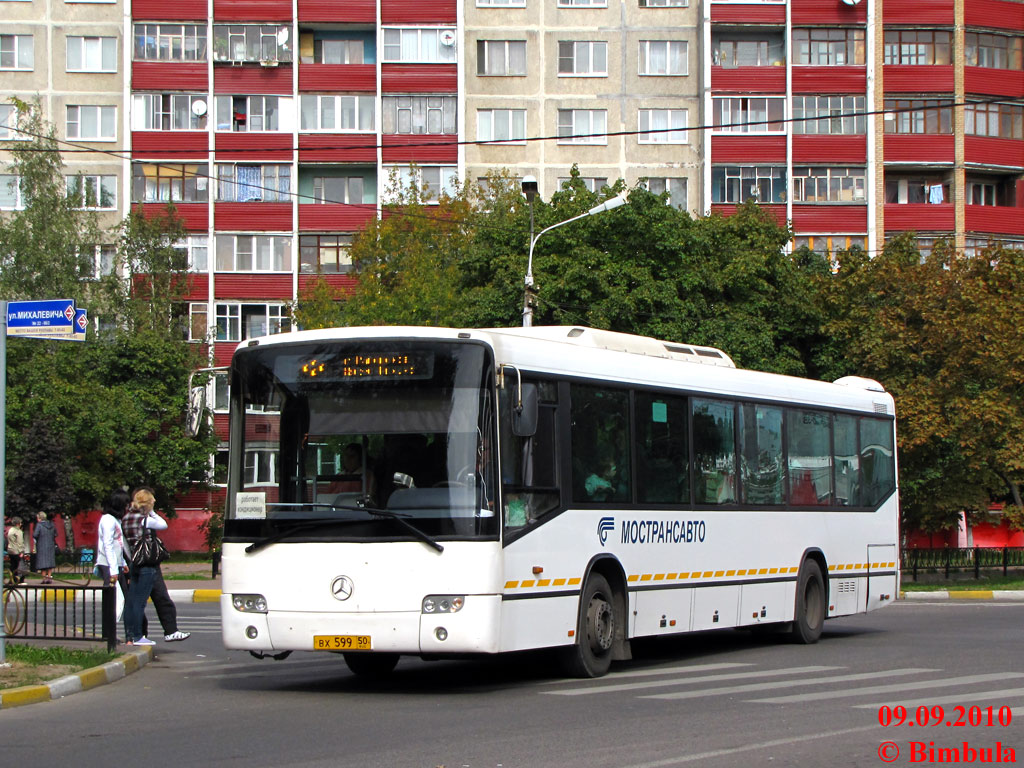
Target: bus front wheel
[[591, 655], [810, 604], [371, 665]]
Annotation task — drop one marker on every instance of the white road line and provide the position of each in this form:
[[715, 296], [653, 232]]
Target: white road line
[[679, 669], [913, 704], [687, 681], [789, 684], [948, 682]]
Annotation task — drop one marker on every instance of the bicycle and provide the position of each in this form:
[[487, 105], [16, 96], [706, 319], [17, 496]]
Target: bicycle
[[76, 565], [15, 606]]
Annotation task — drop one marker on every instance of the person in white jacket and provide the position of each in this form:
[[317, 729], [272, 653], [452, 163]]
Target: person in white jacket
[[110, 551]]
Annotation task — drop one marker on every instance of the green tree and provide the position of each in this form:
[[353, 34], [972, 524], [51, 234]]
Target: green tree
[[319, 306]]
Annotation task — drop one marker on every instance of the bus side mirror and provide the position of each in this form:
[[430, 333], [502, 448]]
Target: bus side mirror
[[194, 414], [524, 415]]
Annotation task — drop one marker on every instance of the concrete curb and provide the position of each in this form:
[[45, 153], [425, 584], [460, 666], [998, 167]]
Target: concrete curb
[[1002, 595], [195, 595], [131, 661]]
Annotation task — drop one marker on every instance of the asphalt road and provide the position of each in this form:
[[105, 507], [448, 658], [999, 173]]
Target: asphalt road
[[722, 698]]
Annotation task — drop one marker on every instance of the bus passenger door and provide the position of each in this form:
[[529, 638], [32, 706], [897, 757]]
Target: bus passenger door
[[882, 561]]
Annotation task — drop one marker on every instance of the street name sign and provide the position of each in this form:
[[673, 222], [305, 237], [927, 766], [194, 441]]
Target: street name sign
[[52, 317]]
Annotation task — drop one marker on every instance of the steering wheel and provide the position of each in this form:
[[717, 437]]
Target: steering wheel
[[459, 480]]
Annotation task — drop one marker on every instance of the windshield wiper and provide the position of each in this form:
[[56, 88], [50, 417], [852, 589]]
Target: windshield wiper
[[400, 519], [259, 544]]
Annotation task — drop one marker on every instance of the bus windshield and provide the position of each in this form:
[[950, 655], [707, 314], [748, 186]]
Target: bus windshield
[[333, 431]]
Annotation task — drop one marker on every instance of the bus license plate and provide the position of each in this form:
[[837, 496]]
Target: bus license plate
[[341, 643]]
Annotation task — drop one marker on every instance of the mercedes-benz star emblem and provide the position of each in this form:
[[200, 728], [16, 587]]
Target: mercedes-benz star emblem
[[342, 588]]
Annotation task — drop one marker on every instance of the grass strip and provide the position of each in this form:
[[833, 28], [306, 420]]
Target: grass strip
[[32, 665]]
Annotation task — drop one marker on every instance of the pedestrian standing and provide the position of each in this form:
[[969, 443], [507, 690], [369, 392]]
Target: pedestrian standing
[[110, 554], [16, 550], [45, 537]]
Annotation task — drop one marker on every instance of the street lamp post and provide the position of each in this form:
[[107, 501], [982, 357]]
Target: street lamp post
[[531, 291]]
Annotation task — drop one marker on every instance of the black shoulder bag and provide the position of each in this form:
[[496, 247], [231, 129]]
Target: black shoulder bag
[[149, 550]]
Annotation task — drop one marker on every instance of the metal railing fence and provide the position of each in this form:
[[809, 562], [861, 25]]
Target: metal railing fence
[[950, 559], [52, 612]]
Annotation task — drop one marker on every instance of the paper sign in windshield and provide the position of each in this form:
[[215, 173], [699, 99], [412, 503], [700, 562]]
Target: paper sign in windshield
[[251, 506]]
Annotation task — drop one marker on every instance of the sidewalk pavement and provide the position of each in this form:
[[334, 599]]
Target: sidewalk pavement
[[1002, 595], [194, 591]]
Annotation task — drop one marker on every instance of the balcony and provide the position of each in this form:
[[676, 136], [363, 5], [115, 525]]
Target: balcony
[[994, 82], [840, 79], [337, 147], [766, 79], [919, 217], [351, 78], [995, 219], [351, 11], [905, 78], [918, 148]]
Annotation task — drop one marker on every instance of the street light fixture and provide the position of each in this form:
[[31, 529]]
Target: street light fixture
[[531, 292]]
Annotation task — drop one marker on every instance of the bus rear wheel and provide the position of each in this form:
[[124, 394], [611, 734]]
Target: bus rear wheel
[[371, 665], [809, 617], [591, 655]]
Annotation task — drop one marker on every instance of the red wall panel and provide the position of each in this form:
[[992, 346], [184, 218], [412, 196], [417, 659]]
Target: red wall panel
[[354, 78], [262, 217], [160, 10], [816, 12], [332, 217], [830, 79], [419, 78], [830, 219], [195, 215], [169, 75], [918, 12], [198, 287], [753, 13], [343, 283], [994, 82], [748, 149], [918, 148], [253, 79], [239, 285], [998, 14], [331, 10], [748, 80], [223, 351], [420, 148], [337, 147], [829, 149], [252, 10], [249, 146], [1000, 220], [418, 11], [991, 151], [919, 217], [778, 212], [170, 145], [902, 78]]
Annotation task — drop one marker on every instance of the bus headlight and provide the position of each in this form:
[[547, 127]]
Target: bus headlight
[[249, 603], [443, 603]]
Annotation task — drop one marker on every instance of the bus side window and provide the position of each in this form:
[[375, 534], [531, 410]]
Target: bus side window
[[663, 465], [600, 445], [529, 465], [714, 452]]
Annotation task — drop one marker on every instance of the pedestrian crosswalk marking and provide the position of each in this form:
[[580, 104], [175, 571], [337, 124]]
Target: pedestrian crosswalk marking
[[655, 671], [613, 687], [957, 698], [947, 682]]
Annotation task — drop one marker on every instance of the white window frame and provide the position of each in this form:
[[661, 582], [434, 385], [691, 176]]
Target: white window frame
[[22, 47], [103, 257], [252, 253], [197, 252], [275, 316], [664, 3], [259, 105], [679, 134], [175, 37], [351, 190], [407, 175], [149, 111], [86, 48], [838, 174], [570, 130], [321, 106], [271, 176], [98, 183], [582, 3], [682, 54], [483, 52], [592, 183], [657, 185], [277, 36], [490, 121], [7, 182], [417, 45], [736, 177], [742, 110], [9, 116], [417, 110], [584, 50], [500, 3], [105, 119], [842, 111]]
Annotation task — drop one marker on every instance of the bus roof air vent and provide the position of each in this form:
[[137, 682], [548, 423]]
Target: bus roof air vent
[[859, 382]]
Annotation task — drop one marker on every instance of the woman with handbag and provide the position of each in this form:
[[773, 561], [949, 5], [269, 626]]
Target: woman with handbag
[[147, 580]]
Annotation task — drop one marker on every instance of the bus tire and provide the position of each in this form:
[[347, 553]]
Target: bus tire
[[591, 655], [809, 617], [371, 665]]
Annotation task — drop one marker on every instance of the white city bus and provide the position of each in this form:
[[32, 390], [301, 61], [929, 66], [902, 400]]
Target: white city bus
[[441, 492]]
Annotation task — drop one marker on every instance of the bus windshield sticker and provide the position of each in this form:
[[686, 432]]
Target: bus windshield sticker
[[251, 506]]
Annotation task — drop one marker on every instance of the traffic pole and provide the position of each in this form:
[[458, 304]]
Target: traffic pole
[[3, 466]]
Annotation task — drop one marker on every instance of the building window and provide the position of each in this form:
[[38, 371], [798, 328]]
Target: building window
[[583, 58], [829, 243], [911, 116], [270, 43], [169, 112], [917, 189], [593, 183], [253, 113], [757, 114], [664, 3], [88, 191], [10, 193], [92, 122], [169, 182], [675, 187], [253, 253], [197, 325], [500, 3], [419, 46], [338, 114], [315, 50], [822, 47], [434, 179], [744, 51], [662, 126], [237, 322], [829, 115], [1004, 121], [981, 193], [501, 125], [96, 261], [9, 123], [196, 250], [501, 57], [917, 46], [338, 189], [583, 126], [739, 183], [419, 114], [238, 183], [221, 386], [993, 51], [325, 254], [582, 3], [170, 42], [663, 57], [92, 54], [826, 184], [16, 52]]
